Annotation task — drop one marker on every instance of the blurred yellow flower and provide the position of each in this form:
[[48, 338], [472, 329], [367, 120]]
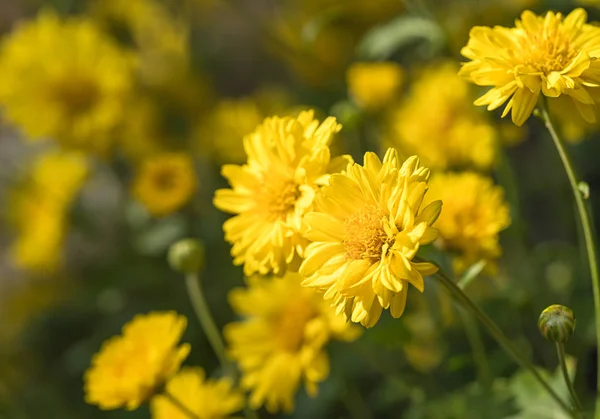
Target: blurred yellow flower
[[367, 227], [374, 85], [288, 159], [475, 211], [207, 399], [281, 342], [66, 80], [551, 54], [165, 182], [438, 123], [40, 210], [130, 367]]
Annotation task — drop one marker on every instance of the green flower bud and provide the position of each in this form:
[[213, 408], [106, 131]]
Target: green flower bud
[[186, 256], [557, 323]]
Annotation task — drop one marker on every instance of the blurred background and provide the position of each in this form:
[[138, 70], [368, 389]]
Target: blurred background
[[118, 114]]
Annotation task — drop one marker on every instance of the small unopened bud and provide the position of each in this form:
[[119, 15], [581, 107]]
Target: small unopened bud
[[557, 323], [186, 256]]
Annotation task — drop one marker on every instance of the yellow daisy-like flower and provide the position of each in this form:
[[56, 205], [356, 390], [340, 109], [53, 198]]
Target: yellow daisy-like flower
[[367, 227], [374, 85], [165, 183], [129, 367], [288, 159], [552, 55], [64, 79], [475, 211], [207, 399], [437, 122], [281, 342]]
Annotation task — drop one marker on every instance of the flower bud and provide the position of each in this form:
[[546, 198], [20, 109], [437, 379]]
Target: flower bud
[[557, 323], [186, 256]]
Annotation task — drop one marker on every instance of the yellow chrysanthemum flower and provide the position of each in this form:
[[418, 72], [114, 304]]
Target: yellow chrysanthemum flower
[[129, 367], [288, 159], [552, 55], [374, 85], [40, 210], [475, 211], [207, 399], [281, 342], [367, 226], [438, 123], [64, 79], [165, 183]]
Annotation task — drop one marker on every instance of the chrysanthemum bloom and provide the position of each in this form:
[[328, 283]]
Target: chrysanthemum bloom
[[437, 122], [39, 210], [165, 183], [288, 159], [475, 211], [367, 227], [281, 342], [66, 80], [207, 399], [129, 367], [374, 85], [552, 55]]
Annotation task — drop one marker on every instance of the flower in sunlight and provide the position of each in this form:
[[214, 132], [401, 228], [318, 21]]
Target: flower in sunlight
[[40, 207], [475, 211], [66, 80], [165, 183], [367, 227], [553, 55], [437, 122], [206, 398], [374, 85], [130, 367], [288, 160], [281, 341]]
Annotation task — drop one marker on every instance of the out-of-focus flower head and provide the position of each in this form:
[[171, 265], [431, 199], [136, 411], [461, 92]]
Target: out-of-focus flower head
[[367, 227], [129, 367], [549, 55], [288, 160], [281, 341], [438, 123], [64, 79], [374, 85], [40, 209], [475, 211], [164, 183], [207, 399]]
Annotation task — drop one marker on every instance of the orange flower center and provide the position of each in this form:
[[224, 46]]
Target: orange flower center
[[281, 197], [548, 50], [76, 95], [365, 235], [291, 324]]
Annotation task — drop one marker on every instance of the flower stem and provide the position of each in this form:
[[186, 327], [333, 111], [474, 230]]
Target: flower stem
[[588, 235], [495, 331], [176, 402], [560, 351]]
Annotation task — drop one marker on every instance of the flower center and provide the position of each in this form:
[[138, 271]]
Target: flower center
[[291, 323], [365, 235], [282, 197], [165, 179], [548, 50], [76, 95]]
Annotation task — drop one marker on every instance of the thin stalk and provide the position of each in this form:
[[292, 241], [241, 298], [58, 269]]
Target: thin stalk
[[560, 351], [497, 334], [176, 402], [588, 235]]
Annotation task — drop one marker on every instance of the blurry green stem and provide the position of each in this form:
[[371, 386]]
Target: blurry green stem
[[560, 350], [176, 402], [588, 235], [474, 338], [495, 331], [192, 281]]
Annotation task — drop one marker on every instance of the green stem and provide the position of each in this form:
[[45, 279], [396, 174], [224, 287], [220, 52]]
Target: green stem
[[588, 235], [560, 351], [206, 320], [496, 332], [176, 402]]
